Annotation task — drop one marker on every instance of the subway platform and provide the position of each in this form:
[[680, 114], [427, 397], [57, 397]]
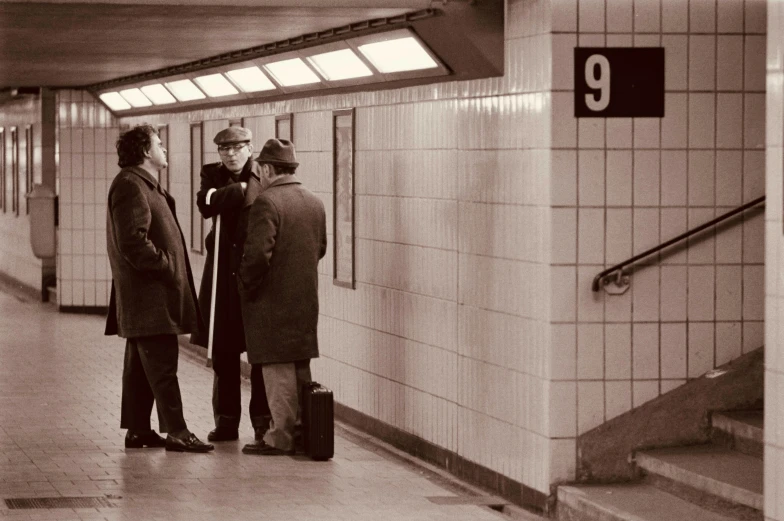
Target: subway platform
[[60, 439]]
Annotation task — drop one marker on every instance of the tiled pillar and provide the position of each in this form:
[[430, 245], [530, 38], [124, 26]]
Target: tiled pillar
[[87, 164]]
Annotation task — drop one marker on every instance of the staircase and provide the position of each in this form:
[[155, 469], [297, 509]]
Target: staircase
[[718, 481]]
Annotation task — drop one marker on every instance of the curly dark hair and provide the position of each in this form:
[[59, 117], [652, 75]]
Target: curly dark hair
[[133, 144]]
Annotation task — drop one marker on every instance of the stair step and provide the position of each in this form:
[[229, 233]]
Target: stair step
[[709, 469], [628, 502], [741, 430]]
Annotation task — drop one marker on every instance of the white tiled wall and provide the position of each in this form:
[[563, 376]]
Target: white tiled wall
[[87, 133], [621, 186], [774, 261]]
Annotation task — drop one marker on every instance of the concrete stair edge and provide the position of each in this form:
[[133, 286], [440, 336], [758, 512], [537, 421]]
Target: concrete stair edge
[[726, 491], [599, 503], [740, 435], [576, 499]]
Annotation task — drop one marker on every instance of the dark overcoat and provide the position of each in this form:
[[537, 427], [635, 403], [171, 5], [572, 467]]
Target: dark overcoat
[[227, 201], [278, 277], [152, 283]]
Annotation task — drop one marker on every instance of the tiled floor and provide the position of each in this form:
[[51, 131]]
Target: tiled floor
[[60, 436]]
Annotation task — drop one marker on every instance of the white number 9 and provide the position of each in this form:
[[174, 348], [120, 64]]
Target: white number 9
[[600, 82]]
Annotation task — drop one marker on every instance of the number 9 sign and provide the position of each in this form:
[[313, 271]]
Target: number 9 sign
[[618, 82]]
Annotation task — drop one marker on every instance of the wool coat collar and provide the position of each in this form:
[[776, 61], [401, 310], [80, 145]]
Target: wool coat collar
[[144, 174]]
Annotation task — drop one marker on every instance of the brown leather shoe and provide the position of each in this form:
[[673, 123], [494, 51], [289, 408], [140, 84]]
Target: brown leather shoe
[[188, 444], [260, 448], [141, 439]]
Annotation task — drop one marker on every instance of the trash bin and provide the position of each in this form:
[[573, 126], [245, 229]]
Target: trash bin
[[41, 202]]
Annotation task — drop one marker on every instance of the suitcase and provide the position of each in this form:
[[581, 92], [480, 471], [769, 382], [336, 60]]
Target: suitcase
[[318, 424]]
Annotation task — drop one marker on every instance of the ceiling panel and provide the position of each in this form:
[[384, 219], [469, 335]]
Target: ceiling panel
[[78, 44]]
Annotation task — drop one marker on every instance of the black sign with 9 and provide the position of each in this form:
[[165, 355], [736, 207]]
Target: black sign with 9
[[612, 82]]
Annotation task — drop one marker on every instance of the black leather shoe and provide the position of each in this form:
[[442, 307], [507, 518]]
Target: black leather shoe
[[262, 449], [223, 435], [189, 444], [138, 440]]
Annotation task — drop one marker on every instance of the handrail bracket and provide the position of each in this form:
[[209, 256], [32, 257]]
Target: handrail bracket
[[617, 285]]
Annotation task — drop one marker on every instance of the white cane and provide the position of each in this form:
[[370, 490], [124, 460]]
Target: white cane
[[215, 257]]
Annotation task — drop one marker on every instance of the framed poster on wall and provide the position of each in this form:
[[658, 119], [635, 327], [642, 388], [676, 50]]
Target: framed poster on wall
[[14, 171], [284, 127], [163, 177], [197, 223], [3, 190], [343, 197]]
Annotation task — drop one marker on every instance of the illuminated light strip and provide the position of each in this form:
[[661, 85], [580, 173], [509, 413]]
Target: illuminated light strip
[[251, 79], [216, 85], [185, 90], [399, 55], [291, 73], [114, 101], [135, 98], [158, 94], [337, 65]]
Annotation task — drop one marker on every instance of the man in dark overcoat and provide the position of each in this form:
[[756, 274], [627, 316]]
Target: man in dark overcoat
[[223, 190], [278, 278], [153, 298]]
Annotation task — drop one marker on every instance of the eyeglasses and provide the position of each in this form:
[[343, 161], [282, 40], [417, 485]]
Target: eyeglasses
[[230, 149]]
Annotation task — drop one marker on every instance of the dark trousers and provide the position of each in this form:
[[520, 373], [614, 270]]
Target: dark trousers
[[226, 396], [150, 375]]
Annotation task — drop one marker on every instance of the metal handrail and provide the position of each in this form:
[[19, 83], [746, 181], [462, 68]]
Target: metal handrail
[[598, 278]]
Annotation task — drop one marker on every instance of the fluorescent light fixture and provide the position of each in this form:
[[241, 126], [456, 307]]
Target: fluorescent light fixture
[[251, 79], [115, 101], [158, 94], [340, 65], [402, 54], [185, 90], [290, 73], [216, 85], [135, 98]]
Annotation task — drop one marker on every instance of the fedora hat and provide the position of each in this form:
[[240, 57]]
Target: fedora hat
[[278, 152]]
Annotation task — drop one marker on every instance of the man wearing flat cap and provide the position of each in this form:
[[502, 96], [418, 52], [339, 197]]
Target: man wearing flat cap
[[225, 187], [278, 280]]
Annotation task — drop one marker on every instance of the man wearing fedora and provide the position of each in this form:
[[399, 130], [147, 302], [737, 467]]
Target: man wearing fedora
[[278, 282], [225, 185]]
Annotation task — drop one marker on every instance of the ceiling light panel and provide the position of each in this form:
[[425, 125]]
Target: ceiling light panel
[[185, 90], [291, 73], [135, 98], [398, 55], [114, 101], [337, 65], [216, 85], [158, 94], [251, 79]]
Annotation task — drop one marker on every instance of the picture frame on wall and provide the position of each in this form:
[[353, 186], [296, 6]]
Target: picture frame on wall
[[197, 161], [343, 270], [163, 177], [14, 171], [284, 127]]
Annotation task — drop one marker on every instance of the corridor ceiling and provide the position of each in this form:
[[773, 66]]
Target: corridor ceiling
[[75, 44]]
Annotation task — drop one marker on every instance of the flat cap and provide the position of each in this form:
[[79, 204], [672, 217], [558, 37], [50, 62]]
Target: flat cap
[[233, 135], [278, 152]]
